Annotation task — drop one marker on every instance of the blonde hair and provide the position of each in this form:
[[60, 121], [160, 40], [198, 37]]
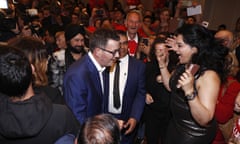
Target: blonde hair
[[233, 64], [36, 53], [58, 34]]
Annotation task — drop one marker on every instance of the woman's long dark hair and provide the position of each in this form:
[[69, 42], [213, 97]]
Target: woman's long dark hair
[[211, 53]]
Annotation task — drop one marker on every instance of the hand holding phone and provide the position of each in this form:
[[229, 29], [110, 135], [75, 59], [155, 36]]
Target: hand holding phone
[[194, 68]]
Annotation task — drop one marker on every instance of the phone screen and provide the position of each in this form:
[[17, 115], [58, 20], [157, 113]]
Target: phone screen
[[145, 41], [194, 68], [3, 4]]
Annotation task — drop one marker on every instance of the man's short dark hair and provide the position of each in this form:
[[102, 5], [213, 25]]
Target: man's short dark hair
[[100, 38], [100, 129], [15, 71]]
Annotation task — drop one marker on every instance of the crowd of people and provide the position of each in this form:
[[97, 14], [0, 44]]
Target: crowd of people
[[83, 74]]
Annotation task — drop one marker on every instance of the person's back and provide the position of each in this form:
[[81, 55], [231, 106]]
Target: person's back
[[26, 116]]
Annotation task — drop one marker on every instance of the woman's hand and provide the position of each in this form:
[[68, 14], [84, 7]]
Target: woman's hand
[[162, 57], [186, 82], [149, 99], [171, 42]]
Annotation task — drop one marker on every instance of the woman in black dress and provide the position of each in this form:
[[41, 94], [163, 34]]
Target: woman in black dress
[[157, 110], [194, 96]]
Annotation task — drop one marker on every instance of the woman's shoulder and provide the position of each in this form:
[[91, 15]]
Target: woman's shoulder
[[209, 74], [209, 77]]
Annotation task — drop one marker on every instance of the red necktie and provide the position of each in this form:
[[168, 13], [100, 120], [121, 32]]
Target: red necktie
[[132, 45]]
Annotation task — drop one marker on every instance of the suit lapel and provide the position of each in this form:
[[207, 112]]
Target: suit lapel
[[94, 75]]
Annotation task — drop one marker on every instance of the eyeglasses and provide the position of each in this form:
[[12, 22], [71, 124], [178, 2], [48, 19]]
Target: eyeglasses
[[111, 52]]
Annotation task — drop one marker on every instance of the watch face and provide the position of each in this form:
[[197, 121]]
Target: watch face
[[191, 96]]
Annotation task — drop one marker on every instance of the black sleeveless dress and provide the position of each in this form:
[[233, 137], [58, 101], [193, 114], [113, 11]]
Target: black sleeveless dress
[[183, 129]]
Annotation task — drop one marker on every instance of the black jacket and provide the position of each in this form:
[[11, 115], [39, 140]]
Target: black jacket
[[34, 121]]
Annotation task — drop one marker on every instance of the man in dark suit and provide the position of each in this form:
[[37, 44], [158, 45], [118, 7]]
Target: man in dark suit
[[131, 88], [83, 82]]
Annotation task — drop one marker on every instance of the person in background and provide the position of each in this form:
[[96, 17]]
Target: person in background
[[74, 36], [28, 116], [161, 24], [106, 23], [236, 33], [131, 91], [190, 20], [229, 90], [157, 108], [57, 62], [226, 37], [194, 88], [36, 52], [236, 38], [133, 22], [145, 31], [61, 60], [118, 19], [100, 129], [222, 27], [83, 86], [96, 25], [235, 136], [75, 19]]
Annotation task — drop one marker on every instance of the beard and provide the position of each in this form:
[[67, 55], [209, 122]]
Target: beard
[[77, 49]]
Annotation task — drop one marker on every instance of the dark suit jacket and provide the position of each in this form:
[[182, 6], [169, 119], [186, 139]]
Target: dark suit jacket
[[134, 92], [82, 89]]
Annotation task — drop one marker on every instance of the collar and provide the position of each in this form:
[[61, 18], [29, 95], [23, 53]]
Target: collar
[[135, 38], [124, 59], [99, 68]]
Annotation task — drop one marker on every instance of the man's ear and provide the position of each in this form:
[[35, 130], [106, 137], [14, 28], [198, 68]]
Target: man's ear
[[33, 68], [98, 52]]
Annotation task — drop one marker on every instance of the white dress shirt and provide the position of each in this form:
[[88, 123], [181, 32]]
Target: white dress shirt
[[122, 83], [99, 68]]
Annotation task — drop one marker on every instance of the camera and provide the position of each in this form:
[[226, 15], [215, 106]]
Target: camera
[[145, 41]]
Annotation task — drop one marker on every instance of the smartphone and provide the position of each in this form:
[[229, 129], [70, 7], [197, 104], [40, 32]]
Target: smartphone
[[145, 41], [194, 68], [3, 4]]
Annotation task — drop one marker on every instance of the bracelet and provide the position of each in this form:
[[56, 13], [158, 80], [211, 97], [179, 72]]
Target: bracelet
[[191, 96], [162, 67]]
